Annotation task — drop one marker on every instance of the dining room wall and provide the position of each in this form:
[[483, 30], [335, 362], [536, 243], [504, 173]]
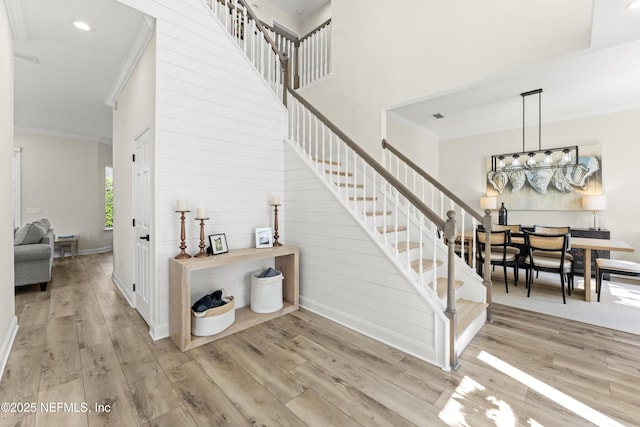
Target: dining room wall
[[463, 168]]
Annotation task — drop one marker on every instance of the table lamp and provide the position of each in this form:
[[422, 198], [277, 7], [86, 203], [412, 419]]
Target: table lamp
[[595, 203], [488, 202]]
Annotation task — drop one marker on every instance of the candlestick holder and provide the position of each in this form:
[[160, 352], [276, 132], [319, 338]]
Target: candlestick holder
[[275, 226], [202, 252], [183, 245]]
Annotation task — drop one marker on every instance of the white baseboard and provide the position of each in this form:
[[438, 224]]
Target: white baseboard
[[56, 254], [386, 336], [7, 344], [124, 290], [159, 332]]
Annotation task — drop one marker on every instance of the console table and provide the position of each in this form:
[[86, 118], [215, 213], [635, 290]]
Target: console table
[[286, 261]]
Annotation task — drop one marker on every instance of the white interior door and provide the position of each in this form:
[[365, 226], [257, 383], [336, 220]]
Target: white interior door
[[142, 206]]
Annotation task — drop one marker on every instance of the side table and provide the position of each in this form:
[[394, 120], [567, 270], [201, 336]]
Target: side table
[[67, 242]]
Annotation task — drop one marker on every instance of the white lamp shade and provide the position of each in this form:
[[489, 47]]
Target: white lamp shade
[[595, 202], [488, 202]]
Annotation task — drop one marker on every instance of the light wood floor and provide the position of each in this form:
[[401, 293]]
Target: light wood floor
[[79, 342]]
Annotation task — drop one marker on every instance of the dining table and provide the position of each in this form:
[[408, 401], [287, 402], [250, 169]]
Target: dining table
[[587, 244]]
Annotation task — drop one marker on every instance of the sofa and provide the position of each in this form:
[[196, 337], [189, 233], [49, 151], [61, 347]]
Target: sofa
[[33, 249]]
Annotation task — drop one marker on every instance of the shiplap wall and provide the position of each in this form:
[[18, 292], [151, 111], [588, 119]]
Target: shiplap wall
[[345, 275], [219, 133], [219, 144]]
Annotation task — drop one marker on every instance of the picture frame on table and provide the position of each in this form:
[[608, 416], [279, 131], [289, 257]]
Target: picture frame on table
[[218, 243], [264, 238]]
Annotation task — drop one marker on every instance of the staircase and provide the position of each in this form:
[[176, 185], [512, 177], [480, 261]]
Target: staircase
[[399, 218]]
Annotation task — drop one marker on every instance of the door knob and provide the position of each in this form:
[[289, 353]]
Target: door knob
[[145, 237]]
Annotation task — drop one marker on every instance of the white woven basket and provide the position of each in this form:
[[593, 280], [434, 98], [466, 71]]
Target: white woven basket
[[266, 293], [214, 320]]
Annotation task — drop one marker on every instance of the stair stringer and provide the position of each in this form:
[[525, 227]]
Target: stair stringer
[[348, 276]]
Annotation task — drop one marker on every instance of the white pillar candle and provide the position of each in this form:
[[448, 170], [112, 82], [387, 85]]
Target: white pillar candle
[[202, 213], [275, 200], [182, 205]]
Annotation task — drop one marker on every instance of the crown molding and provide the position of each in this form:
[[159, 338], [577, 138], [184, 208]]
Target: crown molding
[[68, 135], [145, 31], [17, 21]]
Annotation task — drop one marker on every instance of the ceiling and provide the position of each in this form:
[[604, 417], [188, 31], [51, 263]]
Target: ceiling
[[62, 75], [603, 79], [301, 9]]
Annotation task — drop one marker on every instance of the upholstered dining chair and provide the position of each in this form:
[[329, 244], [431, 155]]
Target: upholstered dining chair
[[501, 253], [539, 247], [553, 231]]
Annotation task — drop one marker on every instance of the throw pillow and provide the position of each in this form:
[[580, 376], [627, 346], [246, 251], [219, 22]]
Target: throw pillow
[[44, 222], [29, 234]]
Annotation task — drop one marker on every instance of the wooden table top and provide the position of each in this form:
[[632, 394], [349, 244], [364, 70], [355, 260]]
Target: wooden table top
[[600, 244]]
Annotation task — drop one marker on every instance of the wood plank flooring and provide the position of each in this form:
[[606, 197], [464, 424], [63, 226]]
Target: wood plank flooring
[[81, 343]]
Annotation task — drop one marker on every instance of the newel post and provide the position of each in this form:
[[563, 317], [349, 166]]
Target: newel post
[[486, 223], [296, 66], [285, 78], [450, 236]]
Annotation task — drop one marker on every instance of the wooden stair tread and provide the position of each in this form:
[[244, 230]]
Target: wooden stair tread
[[404, 246], [340, 173], [427, 264], [391, 229], [467, 311], [349, 185], [441, 286], [377, 213], [363, 198], [326, 162]]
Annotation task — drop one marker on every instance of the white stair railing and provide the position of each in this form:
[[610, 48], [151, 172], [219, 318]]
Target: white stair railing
[[441, 200], [349, 169], [254, 40], [315, 54], [390, 216]]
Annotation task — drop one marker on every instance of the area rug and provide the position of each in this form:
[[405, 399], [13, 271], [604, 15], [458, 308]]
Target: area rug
[[619, 306]]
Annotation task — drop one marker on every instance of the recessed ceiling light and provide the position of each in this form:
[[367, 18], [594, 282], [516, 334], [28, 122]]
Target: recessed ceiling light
[[81, 25], [633, 5]]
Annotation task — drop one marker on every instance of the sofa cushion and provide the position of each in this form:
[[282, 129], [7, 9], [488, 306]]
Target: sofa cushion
[[29, 234], [44, 222]]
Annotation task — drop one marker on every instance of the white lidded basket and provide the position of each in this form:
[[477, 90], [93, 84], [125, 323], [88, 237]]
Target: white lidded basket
[[214, 320], [266, 293]]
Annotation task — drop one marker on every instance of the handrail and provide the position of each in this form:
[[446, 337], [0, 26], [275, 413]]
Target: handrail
[[280, 33], [432, 180], [315, 30], [384, 172], [266, 35]]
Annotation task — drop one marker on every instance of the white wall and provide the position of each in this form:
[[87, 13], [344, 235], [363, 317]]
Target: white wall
[[8, 325], [64, 178], [422, 144], [135, 111], [316, 19], [219, 133], [618, 135], [384, 55], [269, 13]]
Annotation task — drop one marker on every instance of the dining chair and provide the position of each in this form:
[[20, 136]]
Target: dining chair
[[501, 253], [539, 246], [553, 231]]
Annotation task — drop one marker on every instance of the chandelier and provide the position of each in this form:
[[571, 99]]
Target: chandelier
[[537, 159]]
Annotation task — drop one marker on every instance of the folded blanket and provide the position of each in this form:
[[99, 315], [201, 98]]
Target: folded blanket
[[212, 300]]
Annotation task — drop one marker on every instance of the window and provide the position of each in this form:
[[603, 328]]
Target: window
[[108, 197]]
